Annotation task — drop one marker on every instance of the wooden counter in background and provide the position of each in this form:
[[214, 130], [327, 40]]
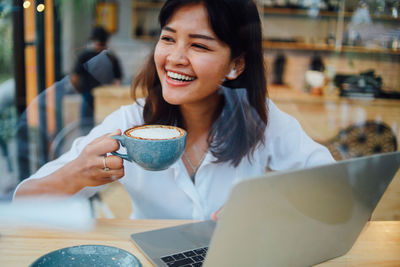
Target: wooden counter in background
[[322, 117]]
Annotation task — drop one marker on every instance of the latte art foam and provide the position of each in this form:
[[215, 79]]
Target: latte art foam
[[154, 133]]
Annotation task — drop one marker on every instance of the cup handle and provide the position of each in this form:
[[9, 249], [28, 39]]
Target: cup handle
[[120, 139]]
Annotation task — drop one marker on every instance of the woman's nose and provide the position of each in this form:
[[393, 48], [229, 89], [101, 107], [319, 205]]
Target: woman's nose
[[178, 56]]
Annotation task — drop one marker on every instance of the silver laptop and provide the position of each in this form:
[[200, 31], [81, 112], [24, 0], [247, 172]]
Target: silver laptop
[[293, 218]]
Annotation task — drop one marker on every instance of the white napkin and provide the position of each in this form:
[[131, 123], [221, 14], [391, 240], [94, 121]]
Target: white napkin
[[48, 212]]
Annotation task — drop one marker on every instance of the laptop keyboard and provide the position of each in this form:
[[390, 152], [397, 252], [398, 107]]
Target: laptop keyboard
[[192, 258]]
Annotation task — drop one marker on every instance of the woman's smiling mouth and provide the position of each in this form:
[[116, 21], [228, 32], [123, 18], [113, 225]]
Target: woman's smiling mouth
[[180, 77]]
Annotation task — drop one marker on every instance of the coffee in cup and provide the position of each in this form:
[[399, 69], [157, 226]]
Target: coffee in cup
[[153, 147]]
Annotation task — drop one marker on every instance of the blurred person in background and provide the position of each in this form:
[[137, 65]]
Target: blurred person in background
[[83, 79]]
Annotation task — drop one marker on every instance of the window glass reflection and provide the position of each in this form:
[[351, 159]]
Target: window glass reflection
[[333, 65]]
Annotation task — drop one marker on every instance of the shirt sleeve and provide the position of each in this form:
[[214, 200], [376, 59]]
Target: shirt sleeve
[[122, 118], [288, 146]]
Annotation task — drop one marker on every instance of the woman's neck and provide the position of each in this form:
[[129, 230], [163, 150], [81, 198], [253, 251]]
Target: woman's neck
[[199, 117]]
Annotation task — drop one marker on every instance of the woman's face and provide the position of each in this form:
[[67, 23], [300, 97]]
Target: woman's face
[[191, 61]]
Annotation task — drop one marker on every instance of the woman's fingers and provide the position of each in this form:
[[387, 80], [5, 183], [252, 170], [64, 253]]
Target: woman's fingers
[[111, 167], [104, 144], [100, 138], [216, 215], [94, 167], [111, 175], [112, 162], [107, 170]]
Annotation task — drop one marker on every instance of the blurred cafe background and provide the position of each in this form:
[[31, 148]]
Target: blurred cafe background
[[332, 64]]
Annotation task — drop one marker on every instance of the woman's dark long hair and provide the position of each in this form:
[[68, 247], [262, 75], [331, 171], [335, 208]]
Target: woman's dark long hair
[[236, 23]]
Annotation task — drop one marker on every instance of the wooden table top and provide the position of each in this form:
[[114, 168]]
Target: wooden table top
[[378, 244]]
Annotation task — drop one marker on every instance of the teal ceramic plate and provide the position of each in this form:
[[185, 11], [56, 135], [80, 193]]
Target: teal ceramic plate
[[88, 255]]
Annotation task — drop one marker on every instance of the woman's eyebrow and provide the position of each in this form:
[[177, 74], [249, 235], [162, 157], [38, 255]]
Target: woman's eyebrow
[[192, 35], [169, 29], [202, 36]]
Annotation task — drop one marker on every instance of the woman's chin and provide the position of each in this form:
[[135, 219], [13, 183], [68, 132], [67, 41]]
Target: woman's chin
[[172, 99], [172, 102]]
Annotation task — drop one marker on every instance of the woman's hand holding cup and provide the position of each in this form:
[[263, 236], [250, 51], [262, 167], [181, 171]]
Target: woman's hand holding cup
[[91, 168], [95, 167], [153, 147]]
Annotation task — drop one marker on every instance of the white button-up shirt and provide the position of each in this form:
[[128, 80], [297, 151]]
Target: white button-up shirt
[[170, 194]]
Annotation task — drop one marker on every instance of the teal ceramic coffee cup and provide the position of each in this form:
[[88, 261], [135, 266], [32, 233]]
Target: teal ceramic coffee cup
[[153, 147]]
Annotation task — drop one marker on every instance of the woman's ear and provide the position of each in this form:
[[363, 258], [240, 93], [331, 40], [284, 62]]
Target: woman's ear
[[237, 67]]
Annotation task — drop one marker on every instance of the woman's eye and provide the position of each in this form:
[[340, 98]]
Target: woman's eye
[[167, 39], [200, 46]]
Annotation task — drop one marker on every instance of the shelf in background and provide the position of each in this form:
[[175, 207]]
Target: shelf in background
[[329, 14], [327, 48], [288, 45], [309, 47]]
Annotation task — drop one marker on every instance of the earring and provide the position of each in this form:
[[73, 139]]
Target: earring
[[231, 75]]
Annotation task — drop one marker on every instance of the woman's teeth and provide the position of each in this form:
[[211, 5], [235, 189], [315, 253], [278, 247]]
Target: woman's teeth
[[180, 77]]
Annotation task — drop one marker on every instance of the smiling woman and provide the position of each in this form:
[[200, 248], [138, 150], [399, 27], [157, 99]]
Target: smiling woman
[[203, 45], [206, 74]]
